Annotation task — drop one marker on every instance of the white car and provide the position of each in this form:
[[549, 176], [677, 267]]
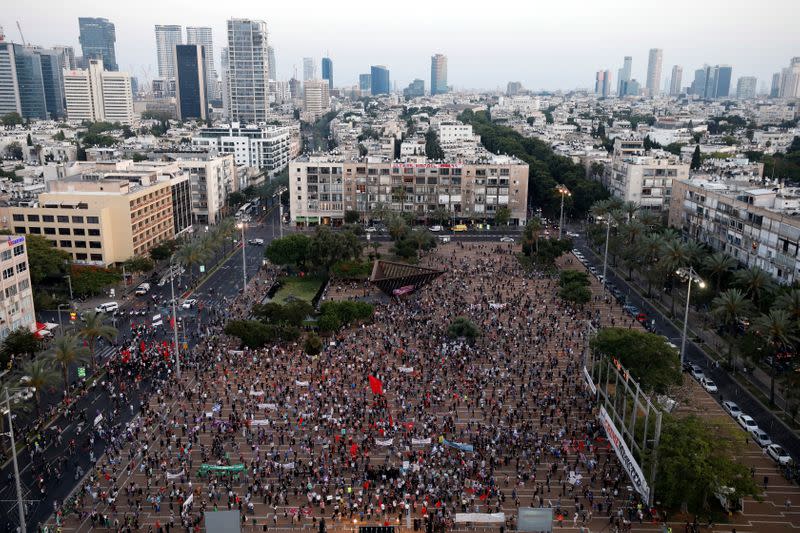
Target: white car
[[108, 307], [435, 228], [732, 408], [708, 385], [778, 454], [747, 422], [506, 239], [697, 373], [371, 229], [761, 438], [189, 303], [142, 289], [256, 242], [573, 234]]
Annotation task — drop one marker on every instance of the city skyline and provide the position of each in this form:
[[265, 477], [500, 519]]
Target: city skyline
[[473, 64]]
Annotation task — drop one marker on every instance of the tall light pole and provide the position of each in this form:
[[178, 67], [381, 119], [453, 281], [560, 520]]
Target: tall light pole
[[20, 507], [69, 281], [60, 323], [244, 259], [605, 255], [563, 191], [692, 277], [174, 317]]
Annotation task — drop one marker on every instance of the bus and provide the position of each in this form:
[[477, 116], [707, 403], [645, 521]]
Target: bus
[[244, 211]]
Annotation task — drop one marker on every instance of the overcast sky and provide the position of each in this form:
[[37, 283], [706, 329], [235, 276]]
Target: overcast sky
[[544, 44]]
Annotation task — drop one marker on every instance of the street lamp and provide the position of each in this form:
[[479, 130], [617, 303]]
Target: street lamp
[[174, 316], [691, 276], [241, 226], [20, 507], [60, 323], [69, 281], [605, 255], [563, 191]]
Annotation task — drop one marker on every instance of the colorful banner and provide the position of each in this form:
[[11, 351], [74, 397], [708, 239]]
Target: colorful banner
[[625, 456], [458, 445]]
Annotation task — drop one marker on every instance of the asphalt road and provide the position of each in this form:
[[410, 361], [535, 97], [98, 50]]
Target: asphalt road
[[728, 388], [220, 286]]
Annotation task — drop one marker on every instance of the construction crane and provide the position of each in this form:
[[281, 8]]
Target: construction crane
[[20, 34]]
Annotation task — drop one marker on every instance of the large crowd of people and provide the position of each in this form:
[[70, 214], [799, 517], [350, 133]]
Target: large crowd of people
[[394, 421]]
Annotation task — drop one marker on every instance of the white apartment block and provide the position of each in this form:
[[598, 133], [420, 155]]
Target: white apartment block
[[316, 98], [211, 181], [16, 294], [94, 94], [247, 70], [643, 178], [758, 224], [167, 36], [263, 147], [322, 188]]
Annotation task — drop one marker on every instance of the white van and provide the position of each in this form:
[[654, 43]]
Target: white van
[[108, 307], [142, 289]]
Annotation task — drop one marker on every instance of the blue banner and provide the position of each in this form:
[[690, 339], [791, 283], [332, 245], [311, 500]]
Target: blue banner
[[459, 446]]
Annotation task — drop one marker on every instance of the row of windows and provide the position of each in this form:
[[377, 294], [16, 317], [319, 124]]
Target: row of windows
[[61, 219], [19, 287], [61, 231], [9, 272], [17, 251]]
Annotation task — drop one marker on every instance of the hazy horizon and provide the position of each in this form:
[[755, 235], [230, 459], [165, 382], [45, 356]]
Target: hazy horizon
[[544, 47]]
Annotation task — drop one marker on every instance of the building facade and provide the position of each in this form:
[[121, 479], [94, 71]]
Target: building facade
[[202, 36], [676, 80], [653, 82], [322, 188], [624, 74], [379, 80], [98, 39], [190, 82], [316, 99], [327, 71], [746, 88], [415, 89], [365, 83], [267, 148], [248, 70], [438, 74], [273, 75], [21, 84], [309, 69], [167, 37], [16, 293], [96, 95]]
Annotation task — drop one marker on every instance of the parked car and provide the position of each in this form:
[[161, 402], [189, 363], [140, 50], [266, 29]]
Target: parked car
[[189, 303], [371, 229], [746, 422], [697, 373], [506, 239], [108, 307], [436, 228], [778, 454], [760, 436], [708, 385], [460, 227], [732, 408], [142, 289], [572, 234], [256, 242]]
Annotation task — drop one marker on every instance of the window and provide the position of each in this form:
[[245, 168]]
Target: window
[[95, 244], [6, 255], [19, 250], [11, 291], [80, 244], [94, 232], [32, 218], [18, 217], [22, 267], [79, 231], [49, 231], [63, 231], [36, 231], [63, 219], [77, 219], [24, 284], [93, 220], [19, 229], [9, 272], [80, 257], [48, 218], [65, 244], [97, 257]]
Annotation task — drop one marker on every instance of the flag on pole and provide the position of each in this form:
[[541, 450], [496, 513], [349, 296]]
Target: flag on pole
[[376, 385]]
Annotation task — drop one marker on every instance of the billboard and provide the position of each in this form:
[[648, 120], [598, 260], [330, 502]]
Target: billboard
[[630, 465]]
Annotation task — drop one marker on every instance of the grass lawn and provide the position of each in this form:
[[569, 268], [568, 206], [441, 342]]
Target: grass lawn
[[297, 288]]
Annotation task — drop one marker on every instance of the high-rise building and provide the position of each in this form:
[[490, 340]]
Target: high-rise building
[[365, 83], [379, 80], [21, 85], [624, 74], [273, 75], [69, 56], [790, 80], [96, 95], [16, 308], [225, 85], [167, 37], [327, 71], [316, 98], [717, 81], [294, 88], [438, 74], [97, 38], [52, 65], [630, 88], [248, 70], [602, 83], [190, 82], [309, 70], [675, 81], [513, 88], [746, 88], [415, 89], [775, 90], [202, 35], [654, 71]]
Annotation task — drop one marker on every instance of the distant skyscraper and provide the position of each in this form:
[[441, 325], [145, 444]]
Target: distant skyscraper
[[775, 90], [294, 88], [273, 75], [513, 88], [602, 84], [379, 80], [95, 95], [327, 71], [309, 70], [415, 89], [624, 74], [69, 56], [718, 82], [248, 70], [52, 64], [97, 38], [790, 80], [202, 35], [438, 74], [190, 81], [654, 71], [21, 84], [630, 88], [675, 81], [365, 82], [698, 86], [746, 88], [225, 85], [316, 97], [167, 37]]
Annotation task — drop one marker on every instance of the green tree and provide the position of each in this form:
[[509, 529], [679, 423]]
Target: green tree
[[728, 308], [575, 293], [138, 157], [14, 151], [789, 301], [351, 217], [312, 344], [93, 329], [46, 263], [163, 251], [18, 343], [328, 247], [236, 199], [718, 265], [192, 254], [756, 283], [502, 216], [432, 147], [463, 327], [11, 119], [29, 140], [139, 264], [91, 281], [292, 250], [648, 357], [696, 159], [778, 330], [38, 374], [65, 351]]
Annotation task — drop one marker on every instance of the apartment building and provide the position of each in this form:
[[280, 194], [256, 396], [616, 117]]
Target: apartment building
[[95, 94], [643, 177], [16, 293], [267, 148], [106, 213], [755, 222], [323, 187], [316, 99]]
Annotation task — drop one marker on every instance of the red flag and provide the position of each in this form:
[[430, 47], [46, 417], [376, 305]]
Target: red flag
[[354, 450], [484, 496], [142, 347], [376, 385]]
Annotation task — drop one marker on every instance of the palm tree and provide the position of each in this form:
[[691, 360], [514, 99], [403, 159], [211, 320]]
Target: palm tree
[[755, 282], [601, 208], [191, 254], [38, 374], [649, 249], [631, 209], [648, 218], [65, 351], [94, 329], [789, 301], [631, 233], [728, 307], [674, 255], [717, 265], [778, 330]]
